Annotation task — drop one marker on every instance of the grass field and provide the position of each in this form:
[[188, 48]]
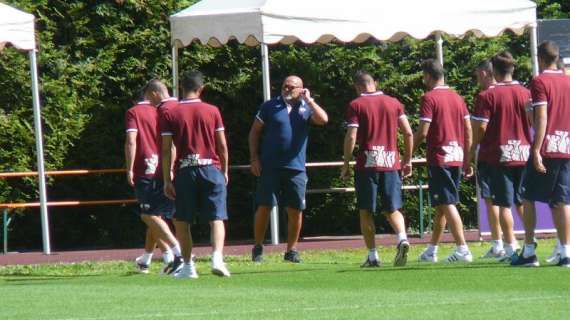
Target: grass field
[[327, 285]]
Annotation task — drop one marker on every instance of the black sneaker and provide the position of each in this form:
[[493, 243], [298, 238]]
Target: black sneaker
[[257, 253], [402, 254], [174, 266], [564, 262], [519, 260], [292, 256], [370, 263]]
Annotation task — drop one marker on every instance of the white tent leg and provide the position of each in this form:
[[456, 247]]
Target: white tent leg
[[533, 50], [274, 216], [175, 71], [40, 153], [439, 47]]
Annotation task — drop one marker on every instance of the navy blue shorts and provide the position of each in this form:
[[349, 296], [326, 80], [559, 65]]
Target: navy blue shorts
[[200, 192], [290, 185], [506, 186], [484, 179], [151, 198], [444, 184], [552, 187], [367, 184]]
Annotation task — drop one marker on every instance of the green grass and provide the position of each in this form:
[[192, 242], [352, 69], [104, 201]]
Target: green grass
[[328, 285]]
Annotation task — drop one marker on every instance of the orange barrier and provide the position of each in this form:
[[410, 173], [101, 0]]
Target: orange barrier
[[65, 203]]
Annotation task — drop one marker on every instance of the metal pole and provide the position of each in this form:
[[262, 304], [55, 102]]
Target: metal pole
[[439, 47], [533, 49], [175, 71], [421, 209], [274, 216], [5, 230], [40, 152]]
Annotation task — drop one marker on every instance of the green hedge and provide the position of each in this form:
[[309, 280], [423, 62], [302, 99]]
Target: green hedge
[[96, 55]]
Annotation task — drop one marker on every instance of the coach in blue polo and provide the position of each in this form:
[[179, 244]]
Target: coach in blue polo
[[277, 148]]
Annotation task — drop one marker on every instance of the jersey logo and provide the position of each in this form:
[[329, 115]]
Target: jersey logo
[[558, 142], [151, 164], [453, 152], [377, 157], [514, 151]]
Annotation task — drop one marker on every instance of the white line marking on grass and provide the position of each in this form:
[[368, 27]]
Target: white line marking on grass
[[308, 309]]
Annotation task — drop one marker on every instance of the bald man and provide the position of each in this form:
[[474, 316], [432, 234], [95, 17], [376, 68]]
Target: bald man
[[282, 126]]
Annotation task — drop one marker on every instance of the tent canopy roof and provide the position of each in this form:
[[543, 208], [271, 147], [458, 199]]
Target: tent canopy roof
[[215, 22], [16, 28]]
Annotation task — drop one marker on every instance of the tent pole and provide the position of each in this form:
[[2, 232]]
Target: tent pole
[[40, 152], [533, 49], [175, 71], [439, 47], [274, 216]]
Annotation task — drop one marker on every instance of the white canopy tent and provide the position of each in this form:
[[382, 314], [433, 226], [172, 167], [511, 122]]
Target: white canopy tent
[[17, 29], [264, 22]]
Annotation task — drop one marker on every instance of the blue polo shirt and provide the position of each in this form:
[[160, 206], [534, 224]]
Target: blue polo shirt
[[285, 133]]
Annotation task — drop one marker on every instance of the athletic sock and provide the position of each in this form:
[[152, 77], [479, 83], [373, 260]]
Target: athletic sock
[[402, 236], [176, 250], [558, 244], [510, 249], [217, 256], [431, 249], [528, 250], [497, 245], [463, 249], [146, 258], [167, 256], [564, 250], [373, 255]]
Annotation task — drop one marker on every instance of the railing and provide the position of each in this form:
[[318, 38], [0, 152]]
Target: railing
[[274, 226]]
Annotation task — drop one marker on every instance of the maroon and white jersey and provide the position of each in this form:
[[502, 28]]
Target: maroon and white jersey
[[143, 119], [376, 116], [552, 88], [507, 139], [167, 104], [193, 125], [446, 111]]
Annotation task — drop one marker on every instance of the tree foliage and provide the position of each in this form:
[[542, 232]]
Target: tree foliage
[[96, 55]]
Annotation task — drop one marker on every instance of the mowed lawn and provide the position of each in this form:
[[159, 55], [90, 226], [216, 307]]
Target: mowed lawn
[[327, 285]]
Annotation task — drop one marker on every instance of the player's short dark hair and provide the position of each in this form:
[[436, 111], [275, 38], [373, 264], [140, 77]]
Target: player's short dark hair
[[549, 52], [503, 63], [486, 66], [362, 78], [154, 85], [192, 81], [433, 68]]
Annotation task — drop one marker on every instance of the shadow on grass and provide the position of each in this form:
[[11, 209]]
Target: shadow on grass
[[429, 268]]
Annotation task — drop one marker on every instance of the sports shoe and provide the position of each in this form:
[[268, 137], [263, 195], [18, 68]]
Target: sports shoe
[[174, 266], [402, 254], [506, 258], [219, 268], [519, 260], [459, 257], [554, 258], [564, 262], [492, 254], [141, 267], [426, 257], [187, 271], [292, 256], [257, 253], [368, 263]]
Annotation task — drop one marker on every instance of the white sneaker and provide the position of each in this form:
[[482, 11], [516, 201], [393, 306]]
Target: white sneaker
[[141, 266], [494, 254], [554, 258], [219, 268], [459, 257], [188, 271], [427, 257]]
